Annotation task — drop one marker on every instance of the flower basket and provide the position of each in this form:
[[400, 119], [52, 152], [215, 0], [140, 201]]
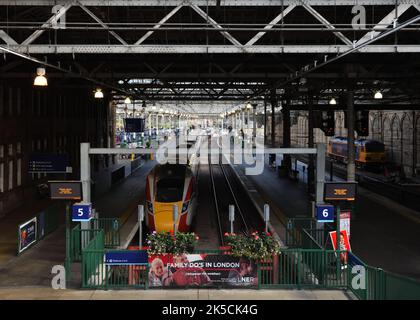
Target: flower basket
[[167, 243], [257, 246]]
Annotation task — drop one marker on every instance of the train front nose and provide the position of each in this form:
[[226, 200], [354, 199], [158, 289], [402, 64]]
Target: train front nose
[[164, 221]]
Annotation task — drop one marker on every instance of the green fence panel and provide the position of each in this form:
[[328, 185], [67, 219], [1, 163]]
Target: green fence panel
[[79, 239], [111, 227]]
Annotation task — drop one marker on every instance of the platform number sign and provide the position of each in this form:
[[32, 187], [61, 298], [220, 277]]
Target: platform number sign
[[325, 213], [82, 212]]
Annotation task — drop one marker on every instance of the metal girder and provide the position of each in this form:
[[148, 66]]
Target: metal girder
[[233, 3], [271, 24], [385, 22], [203, 49], [326, 23], [47, 24], [158, 25], [6, 38], [94, 17], [206, 17]]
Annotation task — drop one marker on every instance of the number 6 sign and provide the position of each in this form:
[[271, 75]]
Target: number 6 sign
[[325, 213]]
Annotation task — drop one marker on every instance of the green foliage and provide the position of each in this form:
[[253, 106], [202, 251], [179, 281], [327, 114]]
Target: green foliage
[[257, 246], [168, 243]]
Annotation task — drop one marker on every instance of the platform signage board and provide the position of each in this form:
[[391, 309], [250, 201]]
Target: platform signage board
[[82, 212], [27, 234], [65, 190], [49, 163], [340, 191], [126, 257], [324, 212]]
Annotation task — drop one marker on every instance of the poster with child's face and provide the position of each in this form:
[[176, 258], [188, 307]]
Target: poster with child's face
[[201, 270]]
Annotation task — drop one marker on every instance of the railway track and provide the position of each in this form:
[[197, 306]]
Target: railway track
[[228, 191], [407, 195]]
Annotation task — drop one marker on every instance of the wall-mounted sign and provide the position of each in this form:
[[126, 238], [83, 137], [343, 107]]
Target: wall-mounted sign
[[325, 213], [82, 212], [27, 234], [128, 257], [340, 191], [66, 190], [49, 163]]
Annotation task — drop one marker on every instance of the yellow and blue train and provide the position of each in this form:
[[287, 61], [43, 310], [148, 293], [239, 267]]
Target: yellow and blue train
[[368, 152]]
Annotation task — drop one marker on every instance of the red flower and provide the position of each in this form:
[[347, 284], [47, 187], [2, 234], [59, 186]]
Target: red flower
[[268, 233], [226, 234], [257, 237], [197, 238]]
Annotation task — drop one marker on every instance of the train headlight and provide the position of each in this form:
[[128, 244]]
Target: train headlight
[[149, 207], [185, 206]]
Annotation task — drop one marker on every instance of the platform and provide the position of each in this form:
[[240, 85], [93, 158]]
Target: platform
[[41, 293], [384, 233]]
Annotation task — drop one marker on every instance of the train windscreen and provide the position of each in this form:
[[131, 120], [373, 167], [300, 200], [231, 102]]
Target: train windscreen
[[170, 189], [375, 147]]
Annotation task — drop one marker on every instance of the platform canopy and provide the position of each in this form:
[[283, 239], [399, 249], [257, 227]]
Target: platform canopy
[[215, 55]]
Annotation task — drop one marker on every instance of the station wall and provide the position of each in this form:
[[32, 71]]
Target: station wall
[[48, 120], [398, 130]]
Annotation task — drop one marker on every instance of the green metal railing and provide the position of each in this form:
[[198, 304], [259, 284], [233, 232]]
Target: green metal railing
[[292, 268], [111, 227], [379, 284], [79, 239]]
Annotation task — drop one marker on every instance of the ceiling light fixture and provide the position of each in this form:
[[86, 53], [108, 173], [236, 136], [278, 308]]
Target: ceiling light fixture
[[99, 94], [40, 79]]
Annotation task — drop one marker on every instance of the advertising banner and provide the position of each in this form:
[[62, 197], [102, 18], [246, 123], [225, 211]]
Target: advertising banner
[[202, 270], [345, 221], [344, 244], [27, 234]]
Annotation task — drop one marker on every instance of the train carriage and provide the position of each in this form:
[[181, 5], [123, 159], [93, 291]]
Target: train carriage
[[368, 152]]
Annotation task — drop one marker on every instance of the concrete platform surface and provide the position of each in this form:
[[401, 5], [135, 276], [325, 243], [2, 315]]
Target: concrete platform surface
[[43, 293]]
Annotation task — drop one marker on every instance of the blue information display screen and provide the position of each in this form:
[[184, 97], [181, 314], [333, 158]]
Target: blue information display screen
[[134, 124], [129, 257], [50, 163]]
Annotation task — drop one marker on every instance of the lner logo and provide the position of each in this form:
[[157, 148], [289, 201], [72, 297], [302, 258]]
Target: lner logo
[[340, 192], [65, 191]]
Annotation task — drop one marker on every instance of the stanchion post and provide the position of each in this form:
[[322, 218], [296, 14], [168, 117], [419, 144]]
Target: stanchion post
[[231, 216], [266, 216], [337, 239], [175, 216], [67, 262], [140, 210]]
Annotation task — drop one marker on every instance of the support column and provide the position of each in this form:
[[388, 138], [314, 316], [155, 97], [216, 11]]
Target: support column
[[311, 169], [265, 121], [351, 169], [85, 178], [157, 124], [286, 134], [273, 117], [254, 126], [150, 124]]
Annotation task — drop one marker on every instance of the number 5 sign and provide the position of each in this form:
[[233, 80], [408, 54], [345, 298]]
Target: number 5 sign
[[325, 213], [82, 212]]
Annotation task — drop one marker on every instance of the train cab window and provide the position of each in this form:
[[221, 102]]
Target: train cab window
[[375, 147], [170, 189]]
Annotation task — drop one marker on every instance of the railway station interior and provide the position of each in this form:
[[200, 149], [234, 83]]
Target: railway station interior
[[217, 146]]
